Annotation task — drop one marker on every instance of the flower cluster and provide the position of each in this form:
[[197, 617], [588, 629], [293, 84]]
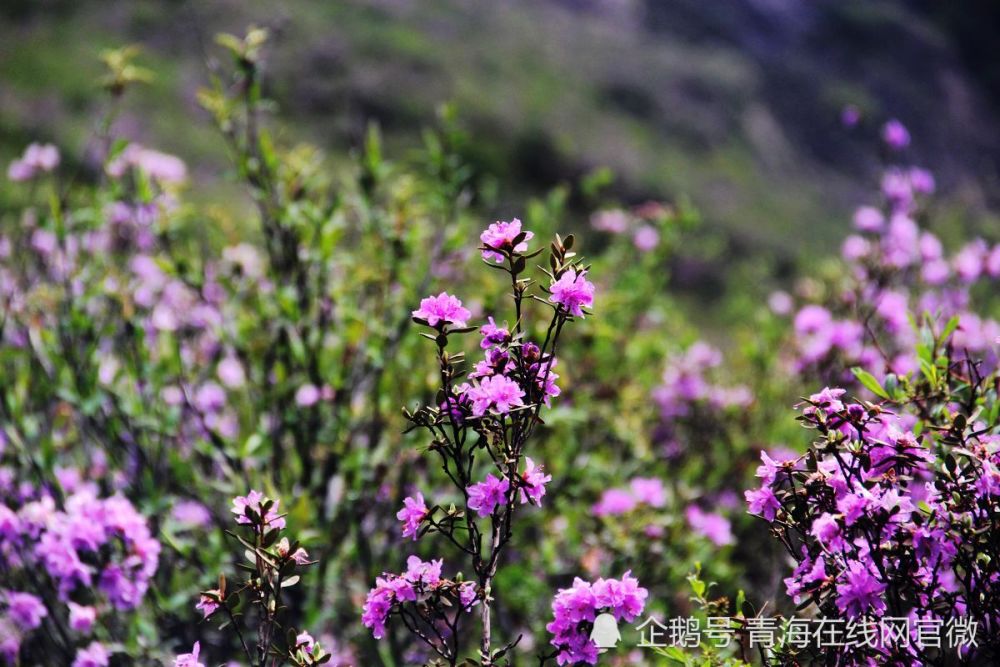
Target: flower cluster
[[37, 159], [163, 168], [888, 515], [93, 557], [641, 491], [487, 414], [691, 398], [575, 609], [642, 222], [687, 384], [894, 268], [422, 586]]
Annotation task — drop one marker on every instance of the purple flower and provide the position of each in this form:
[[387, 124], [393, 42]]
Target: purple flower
[[44, 242], [300, 556], [969, 261], [25, 610], [254, 501], [614, 502], [762, 502], [420, 572], [493, 335], [158, 166], [412, 515], [231, 373], [191, 513], [37, 158], [859, 592], [502, 236], [208, 602], [486, 495], [826, 529], [850, 115], [442, 309], [189, 659], [10, 642], [780, 302], [649, 490], [81, 618], [922, 181], [467, 594], [714, 527], [209, 398], [646, 238], [827, 400], [574, 610], [534, 481], [496, 391], [613, 221], [94, 655], [895, 135], [869, 219], [573, 292], [377, 607], [768, 469], [854, 248], [307, 395]]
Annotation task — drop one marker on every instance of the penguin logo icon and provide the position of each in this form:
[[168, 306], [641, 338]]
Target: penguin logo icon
[[605, 633]]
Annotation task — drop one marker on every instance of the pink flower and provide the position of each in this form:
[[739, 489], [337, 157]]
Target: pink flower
[[442, 309], [307, 395], [158, 166], [614, 502], [493, 335], [305, 640], [496, 391], [869, 219], [859, 591], [646, 238], [189, 659], [826, 529], [850, 115], [37, 158], [427, 573], [780, 302], [208, 603], [81, 618], [25, 610], [94, 655], [574, 610], [467, 594], [895, 135], [231, 373], [412, 515], [573, 292], [254, 501], [613, 221], [534, 480], [191, 514], [486, 495], [649, 490], [502, 236], [714, 527], [763, 502]]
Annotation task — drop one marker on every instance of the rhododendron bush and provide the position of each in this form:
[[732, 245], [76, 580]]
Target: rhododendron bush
[[377, 418]]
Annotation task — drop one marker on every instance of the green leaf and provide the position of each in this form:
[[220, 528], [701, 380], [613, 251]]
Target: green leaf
[[870, 383], [949, 328]]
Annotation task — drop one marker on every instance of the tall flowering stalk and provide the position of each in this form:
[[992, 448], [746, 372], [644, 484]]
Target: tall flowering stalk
[[480, 426], [256, 604]]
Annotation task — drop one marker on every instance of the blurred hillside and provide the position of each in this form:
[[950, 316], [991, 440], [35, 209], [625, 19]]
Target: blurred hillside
[[734, 103]]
